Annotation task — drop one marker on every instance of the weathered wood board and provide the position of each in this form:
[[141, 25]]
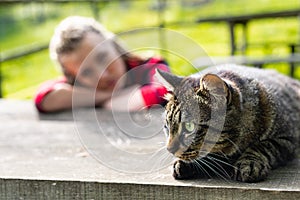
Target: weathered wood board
[[63, 155]]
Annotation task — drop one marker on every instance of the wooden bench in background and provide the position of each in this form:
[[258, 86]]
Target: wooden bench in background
[[233, 21], [259, 62], [42, 157]]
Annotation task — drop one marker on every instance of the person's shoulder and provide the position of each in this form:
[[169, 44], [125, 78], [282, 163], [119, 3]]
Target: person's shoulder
[[156, 60], [44, 89], [132, 63]]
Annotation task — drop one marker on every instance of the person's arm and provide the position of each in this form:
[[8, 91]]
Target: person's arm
[[129, 99], [61, 98], [136, 98]]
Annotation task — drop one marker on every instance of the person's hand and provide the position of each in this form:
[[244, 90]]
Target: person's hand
[[65, 96], [129, 99]]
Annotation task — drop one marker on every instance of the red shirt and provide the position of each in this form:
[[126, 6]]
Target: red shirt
[[141, 74]]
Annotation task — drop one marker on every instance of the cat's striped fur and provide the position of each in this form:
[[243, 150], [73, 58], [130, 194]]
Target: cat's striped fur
[[259, 132]]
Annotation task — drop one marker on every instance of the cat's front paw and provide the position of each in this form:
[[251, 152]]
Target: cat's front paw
[[183, 170], [251, 170]]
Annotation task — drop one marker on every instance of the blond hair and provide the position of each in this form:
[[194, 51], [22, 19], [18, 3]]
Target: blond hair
[[71, 31]]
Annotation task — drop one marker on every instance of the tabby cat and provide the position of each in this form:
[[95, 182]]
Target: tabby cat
[[232, 121]]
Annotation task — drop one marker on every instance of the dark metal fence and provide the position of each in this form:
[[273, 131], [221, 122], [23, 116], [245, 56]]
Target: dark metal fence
[[96, 10]]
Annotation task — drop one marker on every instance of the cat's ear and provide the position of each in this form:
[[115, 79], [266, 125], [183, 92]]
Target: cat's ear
[[168, 80], [214, 84]]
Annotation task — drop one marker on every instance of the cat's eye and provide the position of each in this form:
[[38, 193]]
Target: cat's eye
[[188, 133], [189, 126]]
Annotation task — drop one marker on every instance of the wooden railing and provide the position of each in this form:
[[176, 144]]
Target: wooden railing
[[232, 21]]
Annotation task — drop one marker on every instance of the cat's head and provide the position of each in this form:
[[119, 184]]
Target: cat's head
[[195, 113]]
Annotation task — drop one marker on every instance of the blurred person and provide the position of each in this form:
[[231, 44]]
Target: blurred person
[[98, 71]]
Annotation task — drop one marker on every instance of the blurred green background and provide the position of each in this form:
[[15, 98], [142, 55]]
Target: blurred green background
[[29, 24]]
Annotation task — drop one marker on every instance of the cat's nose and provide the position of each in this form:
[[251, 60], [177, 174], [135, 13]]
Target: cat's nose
[[173, 145], [172, 148]]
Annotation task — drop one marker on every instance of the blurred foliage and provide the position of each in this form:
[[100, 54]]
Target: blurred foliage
[[24, 24]]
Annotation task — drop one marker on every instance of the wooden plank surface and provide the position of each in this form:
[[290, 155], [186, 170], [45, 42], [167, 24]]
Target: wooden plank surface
[[56, 157]]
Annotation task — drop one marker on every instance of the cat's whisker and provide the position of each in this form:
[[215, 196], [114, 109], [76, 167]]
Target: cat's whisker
[[200, 168], [209, 153], [166, 156], [160, 157], [159, 152], [221, 161], [217, 154], [222, 155], [210, 166], [203, 153], [220, 166], [162, 143], [160, 163], [234, 144]]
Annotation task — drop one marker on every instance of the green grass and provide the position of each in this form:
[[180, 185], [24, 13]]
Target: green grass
[[22, 76], [25, 24]]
